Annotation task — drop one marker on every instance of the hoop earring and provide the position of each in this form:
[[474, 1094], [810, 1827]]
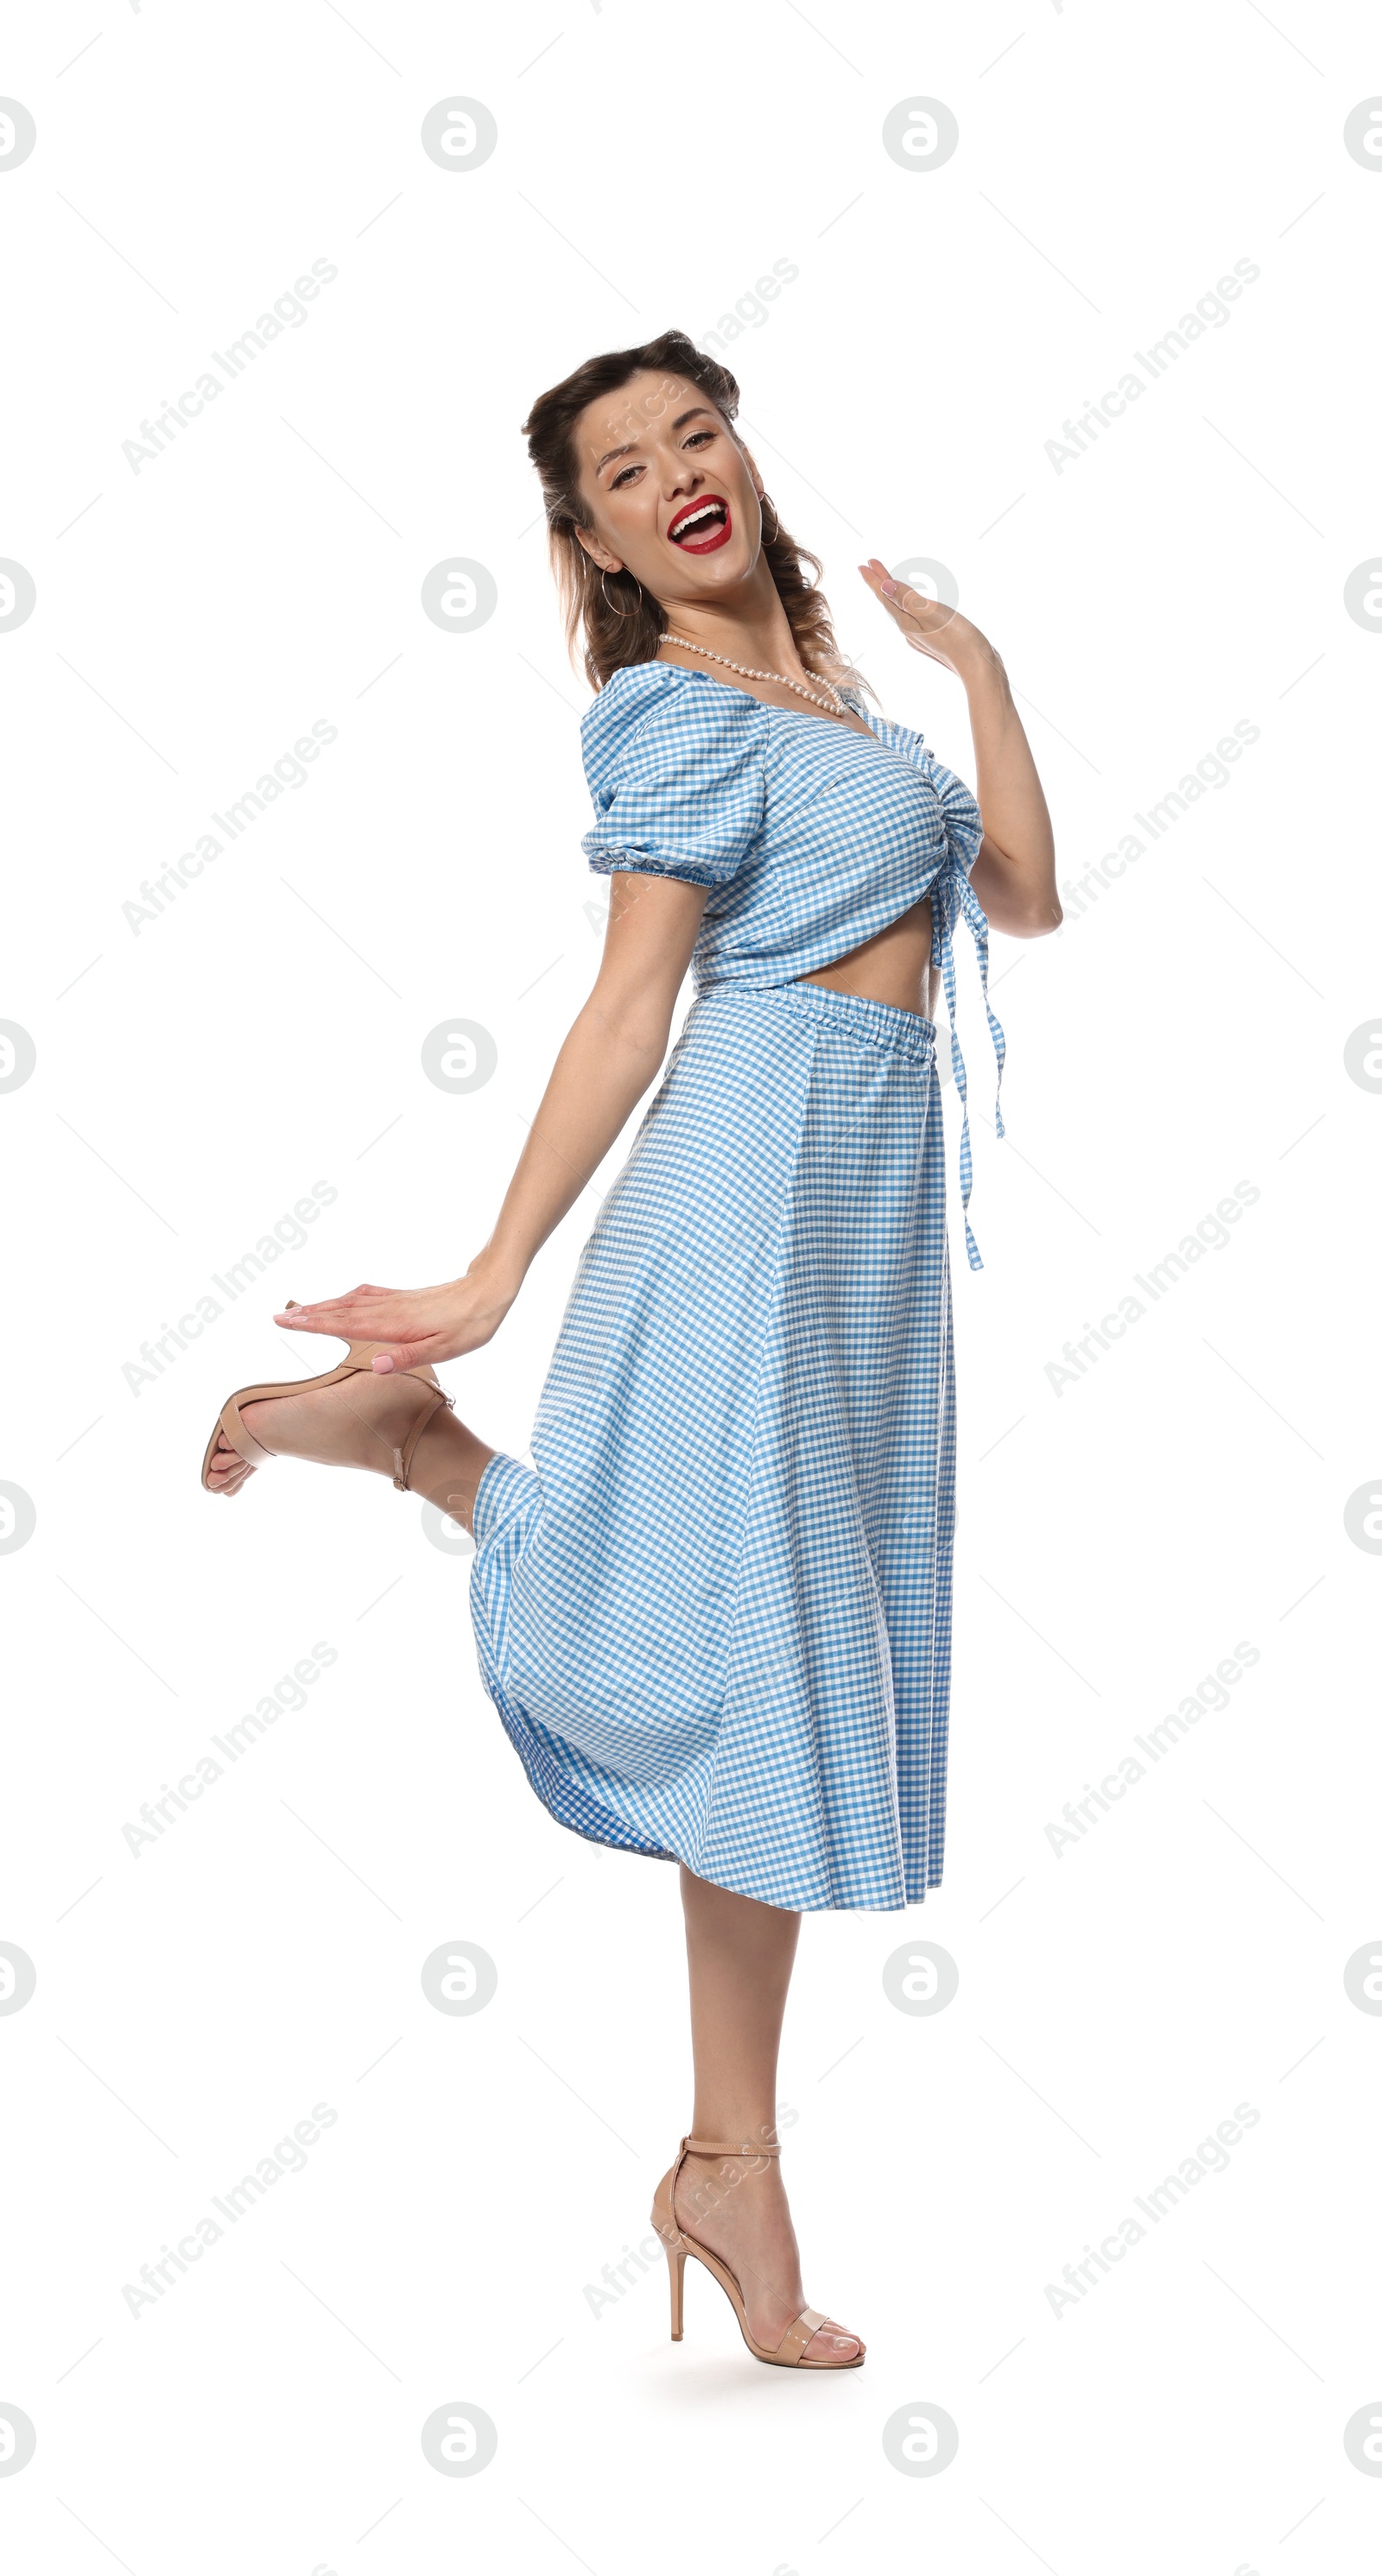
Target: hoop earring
[[766, 499], [614, 611]]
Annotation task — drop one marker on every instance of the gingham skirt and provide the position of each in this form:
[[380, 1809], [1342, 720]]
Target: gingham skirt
[[714, 1615]]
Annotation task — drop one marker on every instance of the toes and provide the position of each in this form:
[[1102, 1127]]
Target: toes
[[831, 2343], [228, 1471]]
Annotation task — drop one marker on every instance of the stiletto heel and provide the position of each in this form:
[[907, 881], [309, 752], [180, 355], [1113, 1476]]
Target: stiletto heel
[[358, 1362], [791, 2352], [676, 2266]]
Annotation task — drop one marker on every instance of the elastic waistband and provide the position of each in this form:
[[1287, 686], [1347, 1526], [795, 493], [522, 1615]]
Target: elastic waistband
[[850, 1015]]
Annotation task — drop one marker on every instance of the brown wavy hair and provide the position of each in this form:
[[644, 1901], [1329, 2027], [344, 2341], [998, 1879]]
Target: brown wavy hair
[[613, 620]]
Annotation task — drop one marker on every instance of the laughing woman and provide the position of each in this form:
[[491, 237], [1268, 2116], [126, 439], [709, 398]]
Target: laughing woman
[[714, 1615]]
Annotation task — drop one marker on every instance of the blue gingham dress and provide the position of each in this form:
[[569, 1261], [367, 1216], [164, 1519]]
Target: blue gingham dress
[[714, 1614]]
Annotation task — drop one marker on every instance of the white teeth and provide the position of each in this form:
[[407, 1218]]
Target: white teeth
[[712, 510]]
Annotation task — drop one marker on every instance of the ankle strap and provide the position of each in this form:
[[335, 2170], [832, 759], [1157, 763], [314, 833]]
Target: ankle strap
[[403, 1458], [713, 2147]]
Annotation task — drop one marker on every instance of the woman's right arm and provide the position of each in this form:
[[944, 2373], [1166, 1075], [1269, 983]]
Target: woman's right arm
[[612, 1054]]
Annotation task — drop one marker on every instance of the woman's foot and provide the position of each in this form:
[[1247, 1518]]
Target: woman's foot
[[360, 1422], [739, 2209]]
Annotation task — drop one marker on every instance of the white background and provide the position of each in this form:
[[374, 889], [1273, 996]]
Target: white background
[[1117, 1538]]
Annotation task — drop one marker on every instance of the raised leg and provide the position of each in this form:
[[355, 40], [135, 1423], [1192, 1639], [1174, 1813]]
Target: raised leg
[[739, 1958]]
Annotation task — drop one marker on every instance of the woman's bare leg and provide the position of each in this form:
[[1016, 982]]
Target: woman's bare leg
[[448, 1462], [739, 1957], [739, 1953]]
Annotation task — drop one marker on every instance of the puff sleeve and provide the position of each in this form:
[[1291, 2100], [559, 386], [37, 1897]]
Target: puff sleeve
[[674, 763]]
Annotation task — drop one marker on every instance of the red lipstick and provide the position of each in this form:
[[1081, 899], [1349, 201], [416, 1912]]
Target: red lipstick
[[714, 526]]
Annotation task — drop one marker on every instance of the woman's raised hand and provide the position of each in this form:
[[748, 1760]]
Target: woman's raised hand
[[415, 1325], [927, 625]]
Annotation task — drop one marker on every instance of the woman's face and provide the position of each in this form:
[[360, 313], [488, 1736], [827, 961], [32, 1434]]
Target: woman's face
[[672, 495]]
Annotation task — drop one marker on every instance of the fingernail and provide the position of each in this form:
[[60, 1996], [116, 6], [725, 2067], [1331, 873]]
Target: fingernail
[[889, 587], [381, 1364]]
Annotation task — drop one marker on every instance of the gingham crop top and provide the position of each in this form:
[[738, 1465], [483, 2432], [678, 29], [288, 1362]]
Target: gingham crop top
[[810, 837]]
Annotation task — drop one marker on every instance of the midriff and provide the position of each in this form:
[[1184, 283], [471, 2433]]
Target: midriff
[[894, 966]]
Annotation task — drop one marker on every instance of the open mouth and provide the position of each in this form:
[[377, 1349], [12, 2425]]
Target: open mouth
[[701, 526]]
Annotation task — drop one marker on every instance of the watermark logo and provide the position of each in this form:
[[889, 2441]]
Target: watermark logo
[[1362, 132], [459, 2439], [459, 133], [1210, 2156], [751, 308], [289, 773], [289, 314], [18, 1518], [1363, 1518], [458, 1055], [1209, 1694], [460, 1977], [1363, 1978], [17, 594], [1210, 1235], [157, 1814], [1363, 595], [18, 1055], [17, 2439], [452, 1537], [1363, 2440], [921, 1978], [1362, 1051], [920, 133], [921, 2439], [18, 1977], [19, 134], [710, 2194], [934, 580], [1212, 311], [459, 595], [1212, 771], [289, 2156], [287, 1235], [619, 2278]]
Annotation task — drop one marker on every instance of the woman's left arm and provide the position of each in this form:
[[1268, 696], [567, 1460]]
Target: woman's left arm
[[1014, 874]]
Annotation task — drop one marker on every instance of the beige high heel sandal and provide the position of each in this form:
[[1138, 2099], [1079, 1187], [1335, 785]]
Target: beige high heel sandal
[[357, 1362], [790, 2353]]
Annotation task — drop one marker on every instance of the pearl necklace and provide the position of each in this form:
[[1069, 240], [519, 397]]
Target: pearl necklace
[[833, 701]]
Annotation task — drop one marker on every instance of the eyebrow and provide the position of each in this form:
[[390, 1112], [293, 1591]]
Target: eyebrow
[[679, 423]]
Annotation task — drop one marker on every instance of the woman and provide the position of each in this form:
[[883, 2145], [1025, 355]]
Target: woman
[[715, 1617]]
